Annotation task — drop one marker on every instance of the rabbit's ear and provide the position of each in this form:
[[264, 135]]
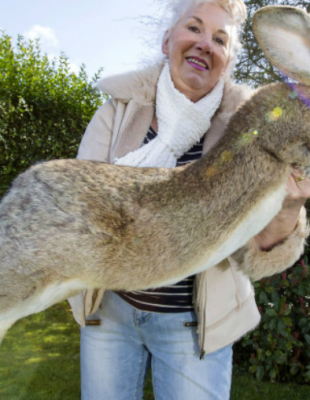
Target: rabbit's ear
[[283, 33]]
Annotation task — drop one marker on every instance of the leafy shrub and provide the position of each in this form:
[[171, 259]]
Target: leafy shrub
[[279, 349], [44, 108]]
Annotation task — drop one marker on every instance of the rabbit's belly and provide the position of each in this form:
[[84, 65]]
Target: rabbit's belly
[[250, 225]]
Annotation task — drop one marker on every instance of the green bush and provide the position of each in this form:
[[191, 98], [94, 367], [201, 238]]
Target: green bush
[[279, 349], [44, 108]]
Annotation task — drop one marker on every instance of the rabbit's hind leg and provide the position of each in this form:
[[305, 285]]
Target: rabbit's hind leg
[[4, 327], [37, 302]]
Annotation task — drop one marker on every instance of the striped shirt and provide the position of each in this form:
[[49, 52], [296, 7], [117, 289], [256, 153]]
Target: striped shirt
[[178, 297]]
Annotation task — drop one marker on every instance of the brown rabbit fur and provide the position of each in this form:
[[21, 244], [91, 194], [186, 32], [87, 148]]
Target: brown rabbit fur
[[69, 225]]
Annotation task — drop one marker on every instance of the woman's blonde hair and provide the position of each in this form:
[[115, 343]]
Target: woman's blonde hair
[[235, 8]]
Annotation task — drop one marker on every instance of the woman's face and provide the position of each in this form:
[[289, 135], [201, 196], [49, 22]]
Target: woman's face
[[198, 49]]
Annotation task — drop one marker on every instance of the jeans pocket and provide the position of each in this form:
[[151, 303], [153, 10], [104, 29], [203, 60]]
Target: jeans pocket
[[190, 324]]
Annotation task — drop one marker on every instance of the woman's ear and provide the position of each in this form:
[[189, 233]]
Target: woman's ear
[[165, 43]]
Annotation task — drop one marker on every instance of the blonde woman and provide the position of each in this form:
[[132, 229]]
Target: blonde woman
[[163, 116]]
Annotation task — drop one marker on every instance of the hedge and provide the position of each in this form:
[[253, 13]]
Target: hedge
[[279, 348], [44, 108]]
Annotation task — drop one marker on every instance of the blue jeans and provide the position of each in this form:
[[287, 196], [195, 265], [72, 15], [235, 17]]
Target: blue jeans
[[116, 356]]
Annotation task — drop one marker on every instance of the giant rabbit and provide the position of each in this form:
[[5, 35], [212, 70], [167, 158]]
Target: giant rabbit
[[70, 225]]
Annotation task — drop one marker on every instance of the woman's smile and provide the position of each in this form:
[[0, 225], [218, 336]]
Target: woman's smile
[[197, 63]]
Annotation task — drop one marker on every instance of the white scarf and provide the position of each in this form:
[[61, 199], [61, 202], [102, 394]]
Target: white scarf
[[181, 124]]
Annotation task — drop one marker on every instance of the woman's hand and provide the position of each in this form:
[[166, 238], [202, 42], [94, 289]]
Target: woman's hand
[[285, 221]]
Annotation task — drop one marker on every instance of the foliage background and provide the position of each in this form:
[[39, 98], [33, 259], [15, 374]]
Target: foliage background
[[44, 110]]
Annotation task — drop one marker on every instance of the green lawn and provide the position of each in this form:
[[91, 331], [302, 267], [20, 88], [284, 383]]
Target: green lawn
[[39, 359]]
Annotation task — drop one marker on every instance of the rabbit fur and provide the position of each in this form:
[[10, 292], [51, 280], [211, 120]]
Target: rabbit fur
[[70, 225]]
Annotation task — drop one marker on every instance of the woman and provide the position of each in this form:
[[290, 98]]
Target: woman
[[178, 110]]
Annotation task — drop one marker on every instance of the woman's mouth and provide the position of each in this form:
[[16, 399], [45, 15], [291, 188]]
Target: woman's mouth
[[197, 63]]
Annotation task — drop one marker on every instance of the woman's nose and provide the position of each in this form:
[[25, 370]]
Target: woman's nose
[[205, 44]]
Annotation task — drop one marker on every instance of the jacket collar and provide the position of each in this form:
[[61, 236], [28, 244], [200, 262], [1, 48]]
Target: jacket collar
[[136, 85]]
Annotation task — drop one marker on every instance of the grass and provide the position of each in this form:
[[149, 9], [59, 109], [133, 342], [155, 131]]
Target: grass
[[245, 387], [39, 359]]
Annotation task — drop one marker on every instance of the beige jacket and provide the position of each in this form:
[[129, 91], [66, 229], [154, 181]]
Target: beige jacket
[[224, 297]]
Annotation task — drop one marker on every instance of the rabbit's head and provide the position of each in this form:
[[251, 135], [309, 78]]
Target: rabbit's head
[[283, 110]]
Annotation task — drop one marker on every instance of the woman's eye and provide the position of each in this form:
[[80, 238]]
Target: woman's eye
[[220, 41], [194, 28]]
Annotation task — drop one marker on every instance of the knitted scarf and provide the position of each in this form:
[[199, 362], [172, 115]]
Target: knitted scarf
[[181, 124]]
